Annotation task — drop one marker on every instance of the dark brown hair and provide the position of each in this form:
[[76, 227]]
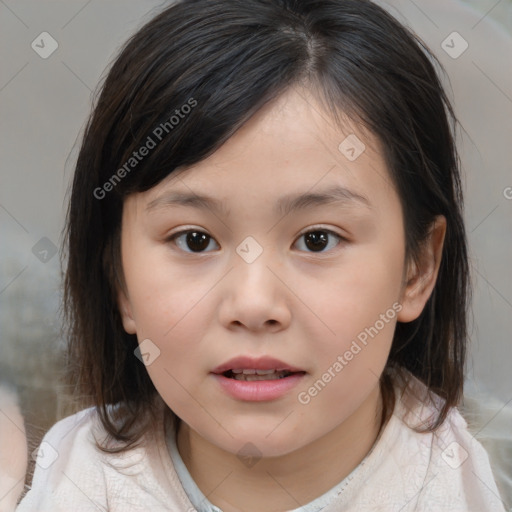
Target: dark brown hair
[[231, 57]]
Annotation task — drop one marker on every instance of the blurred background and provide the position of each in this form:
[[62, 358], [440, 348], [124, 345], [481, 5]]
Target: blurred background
[[53, 54]]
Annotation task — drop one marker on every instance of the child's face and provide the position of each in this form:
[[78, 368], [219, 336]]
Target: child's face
[[305, 300]]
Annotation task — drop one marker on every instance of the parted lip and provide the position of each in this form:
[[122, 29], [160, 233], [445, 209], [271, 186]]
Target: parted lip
[[259, 363]]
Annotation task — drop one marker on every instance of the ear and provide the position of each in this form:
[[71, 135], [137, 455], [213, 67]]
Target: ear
[[125, 310], [422, 274]]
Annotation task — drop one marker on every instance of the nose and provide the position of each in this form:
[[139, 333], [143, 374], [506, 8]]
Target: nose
[[256, 297]]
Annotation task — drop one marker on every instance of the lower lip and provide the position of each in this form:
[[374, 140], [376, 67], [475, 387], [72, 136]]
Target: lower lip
[[258, 390]]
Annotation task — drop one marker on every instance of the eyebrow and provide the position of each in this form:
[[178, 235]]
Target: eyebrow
[[284, 205]]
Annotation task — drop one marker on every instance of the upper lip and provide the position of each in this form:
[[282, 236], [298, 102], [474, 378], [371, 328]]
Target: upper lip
[[255, 363]]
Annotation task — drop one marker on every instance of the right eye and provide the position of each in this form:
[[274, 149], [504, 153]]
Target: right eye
[[192, 239]]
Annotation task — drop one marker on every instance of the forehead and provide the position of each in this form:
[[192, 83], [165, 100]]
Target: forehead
[[287, 149]]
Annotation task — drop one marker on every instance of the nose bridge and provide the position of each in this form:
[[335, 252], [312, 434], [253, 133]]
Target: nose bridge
[[253, 295], [251, 261]]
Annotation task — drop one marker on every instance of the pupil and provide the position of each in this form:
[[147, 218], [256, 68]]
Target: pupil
[[197, 241], [316, 240]]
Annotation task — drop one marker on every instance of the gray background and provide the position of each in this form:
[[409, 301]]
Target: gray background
[[45, 102]]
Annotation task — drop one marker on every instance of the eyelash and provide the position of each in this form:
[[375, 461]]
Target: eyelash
[[174, 236]]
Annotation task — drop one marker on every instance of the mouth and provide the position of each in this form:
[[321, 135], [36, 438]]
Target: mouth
[[252, 374], [257, 379], [248, 368], [262, 379]]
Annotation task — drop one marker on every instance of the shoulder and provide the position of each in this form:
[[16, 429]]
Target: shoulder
[[490, 420], [458, 475], [446, 470], [74, 432], [73, 473], [68, 466]]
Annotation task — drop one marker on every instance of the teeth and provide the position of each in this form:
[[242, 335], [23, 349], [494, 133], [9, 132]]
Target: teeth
[[250, 371], [268, 375], [265, 372]]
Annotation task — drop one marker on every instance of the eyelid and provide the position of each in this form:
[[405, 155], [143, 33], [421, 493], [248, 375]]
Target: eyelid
[[185, 229], [320, 227]]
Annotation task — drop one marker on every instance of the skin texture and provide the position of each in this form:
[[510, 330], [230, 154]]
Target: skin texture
[[292, 303]]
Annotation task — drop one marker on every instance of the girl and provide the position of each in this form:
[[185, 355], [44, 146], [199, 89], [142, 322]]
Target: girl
[[267, 278]]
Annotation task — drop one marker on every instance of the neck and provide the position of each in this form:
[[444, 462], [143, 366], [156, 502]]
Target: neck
[[288, 481]]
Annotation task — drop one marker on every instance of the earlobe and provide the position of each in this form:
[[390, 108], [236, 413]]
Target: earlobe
[[125, 311], [422, 273]]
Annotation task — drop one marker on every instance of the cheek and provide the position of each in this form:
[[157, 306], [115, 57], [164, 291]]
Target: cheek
[[354, 296], [166, 305], [357, 307], [171, 303], [162, 295]]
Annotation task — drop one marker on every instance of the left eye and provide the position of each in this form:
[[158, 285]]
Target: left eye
[[197, 241], [317, 240]]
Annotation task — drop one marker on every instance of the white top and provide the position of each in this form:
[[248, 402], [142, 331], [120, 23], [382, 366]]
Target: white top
[[447, 471]]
